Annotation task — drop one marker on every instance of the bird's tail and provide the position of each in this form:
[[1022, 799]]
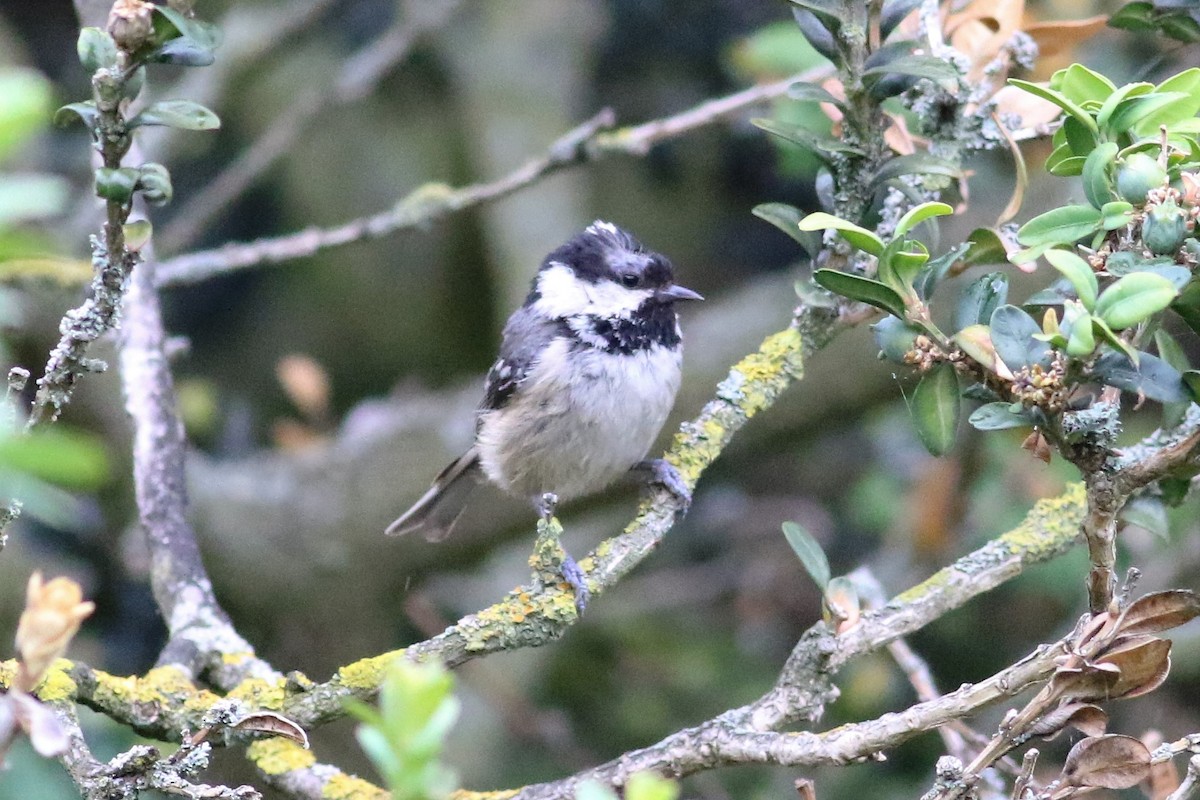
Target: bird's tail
[[440, 507]]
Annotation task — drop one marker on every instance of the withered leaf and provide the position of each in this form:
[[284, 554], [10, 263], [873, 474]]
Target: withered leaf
[[1091, 682], [274, 724], [1144, 662], [1084, 717], [1107, 762], [1160, 611]]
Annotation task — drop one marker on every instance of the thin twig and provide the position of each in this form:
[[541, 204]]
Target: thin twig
[[359, 74], [590, 141]]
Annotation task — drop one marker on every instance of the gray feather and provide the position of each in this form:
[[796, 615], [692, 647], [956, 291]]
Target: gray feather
[[439, 508]]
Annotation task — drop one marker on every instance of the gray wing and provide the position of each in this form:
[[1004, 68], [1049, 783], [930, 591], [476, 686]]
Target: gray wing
[[526, 335]]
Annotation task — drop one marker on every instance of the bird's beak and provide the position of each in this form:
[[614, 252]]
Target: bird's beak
[[673, 292]]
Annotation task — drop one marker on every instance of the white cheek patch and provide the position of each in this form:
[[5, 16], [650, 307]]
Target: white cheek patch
[[563, 295], [600, 225]]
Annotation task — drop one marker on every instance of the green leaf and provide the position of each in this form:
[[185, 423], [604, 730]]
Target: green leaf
[[1067, 167], [1119, 96], [819, 143], [137, 233], [1186, 83], [998, 417], [96, 49], [1136, 110], [185, 41], [787, 219], [1097, 183], [936, 406], [811, 92], [1079, 84], [1078, 272], [650, 786], [1065, 225], [935, 69], [1147, 512], [1138, 16], [1187, 305], [1080, 138], [1081, 338], [1059, 100], [182, 114], [1191, 382], [60, 456], [116, 184], [914, 164], [864, 290], [986, 247], [935, 270], [1170, 352], [84, 112], [1180, 27], [809, 552], [976, 342], [27, 98], [1152, 377], [981, 299], [858, 237], [919, 214], [154, 182], [1012, 334], [1116, 214], [1134, 298], [1101, 327]]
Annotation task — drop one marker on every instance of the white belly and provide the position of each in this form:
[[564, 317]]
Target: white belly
[[577, 432]]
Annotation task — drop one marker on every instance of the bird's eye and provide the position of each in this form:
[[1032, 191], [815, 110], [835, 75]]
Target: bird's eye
[[630, 280]]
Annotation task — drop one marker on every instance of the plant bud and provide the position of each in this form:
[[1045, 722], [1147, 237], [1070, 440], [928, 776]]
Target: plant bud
[[53, 612], [1137, 175], [1164, 228], [130, 24]]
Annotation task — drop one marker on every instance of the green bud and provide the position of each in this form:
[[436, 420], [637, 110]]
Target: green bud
[[116, 184], [1164, 228], [155, 183], [1137, 175], [894, 337], [96, 49]]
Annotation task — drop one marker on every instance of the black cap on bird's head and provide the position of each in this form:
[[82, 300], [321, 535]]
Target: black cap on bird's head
[[603, 252]]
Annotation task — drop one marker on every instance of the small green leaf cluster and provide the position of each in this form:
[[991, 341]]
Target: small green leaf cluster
[[1171, 18], [1132, 146], [1135, 149], [138, 33], [840, 606], [405, 736]]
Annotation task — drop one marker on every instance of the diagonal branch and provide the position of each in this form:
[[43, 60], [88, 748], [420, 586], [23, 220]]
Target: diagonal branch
[[430, 202], [359, 74]]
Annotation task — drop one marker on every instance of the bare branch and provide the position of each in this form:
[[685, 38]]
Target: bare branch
[[432, 201], [197, 626], [358, 76]]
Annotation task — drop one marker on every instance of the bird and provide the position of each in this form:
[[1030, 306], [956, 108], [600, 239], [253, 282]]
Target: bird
[[587, 373]]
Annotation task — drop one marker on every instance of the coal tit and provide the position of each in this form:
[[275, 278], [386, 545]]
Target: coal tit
[[588, 370]]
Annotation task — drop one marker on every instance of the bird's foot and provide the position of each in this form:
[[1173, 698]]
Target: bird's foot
[[663, 473], [575, 577], [546, 505]]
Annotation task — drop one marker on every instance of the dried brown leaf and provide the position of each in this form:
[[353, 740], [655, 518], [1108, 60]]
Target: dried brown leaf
[[1084, 717], [1107, 762], [1062, 36], [1144, 662], [274, 724], [1092, 682], [1160, 611]]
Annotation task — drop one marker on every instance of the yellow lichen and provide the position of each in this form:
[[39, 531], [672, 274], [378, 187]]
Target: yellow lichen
[[8, 671], [261, 693], [366, 674], [234, 659], [467, 794], [276, 756], [57, 686], [348, 787]]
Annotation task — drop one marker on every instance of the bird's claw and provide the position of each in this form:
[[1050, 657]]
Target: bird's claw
[[663, 473], [574, 575]]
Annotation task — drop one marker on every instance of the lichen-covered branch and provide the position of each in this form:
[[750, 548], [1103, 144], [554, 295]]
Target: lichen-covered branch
[[199, 630], [432, 201]]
